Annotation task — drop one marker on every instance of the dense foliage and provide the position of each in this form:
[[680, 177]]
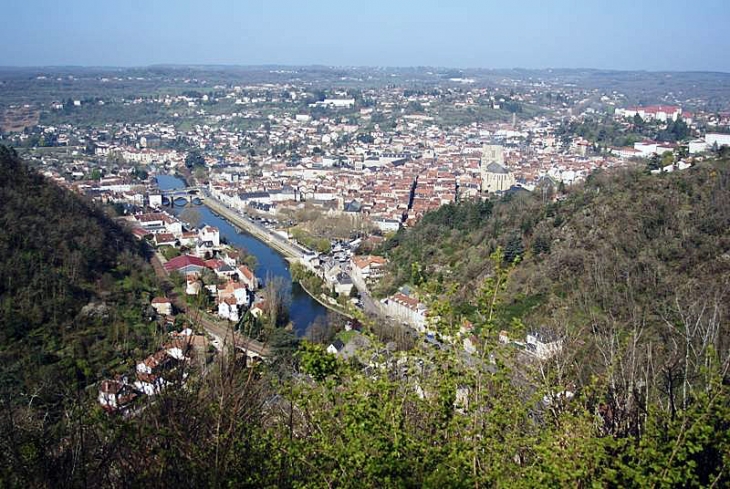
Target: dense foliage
[[631, 271], [648, 235], [608, 132], [71, 292]]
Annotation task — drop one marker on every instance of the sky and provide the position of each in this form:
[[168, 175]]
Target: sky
[[674, 35]]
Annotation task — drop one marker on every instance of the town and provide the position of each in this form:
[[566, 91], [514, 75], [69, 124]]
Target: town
[[326, 175], [382, 244]]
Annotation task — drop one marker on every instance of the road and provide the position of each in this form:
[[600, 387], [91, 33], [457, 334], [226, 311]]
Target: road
[[370, 305], [291, 251]]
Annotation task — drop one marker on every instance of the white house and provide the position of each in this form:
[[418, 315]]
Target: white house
[[155, 200], [367, 269], [335, 347], [192, 284], [228, 309], [406, 309], [173, 226], [656, 112], [646, 148], [717, 139], [210, 233], [259, 308], [162, 305], [339, 102], [247, 277], [387, 225], [543, 346], [152, 362], [115, 394], [697, 146], [236, 290], [149, 384], [627, 153]]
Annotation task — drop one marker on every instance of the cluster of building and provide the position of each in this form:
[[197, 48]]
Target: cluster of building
[[661, 113], [235, 283], [167, 367], [384, 156], [403, 306], [667, 113], [393, 193], [234, 286]]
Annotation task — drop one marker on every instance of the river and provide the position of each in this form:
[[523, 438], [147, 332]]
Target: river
[[304, 310]]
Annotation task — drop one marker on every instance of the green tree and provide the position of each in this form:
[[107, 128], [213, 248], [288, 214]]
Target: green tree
[[315, 361], [514, 249], [170, 252], [667, 159], [194, 159]]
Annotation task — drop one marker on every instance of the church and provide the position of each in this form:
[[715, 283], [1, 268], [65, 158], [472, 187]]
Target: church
[[495, 175]]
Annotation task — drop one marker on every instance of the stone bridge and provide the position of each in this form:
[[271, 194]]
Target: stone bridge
[[189, 195]]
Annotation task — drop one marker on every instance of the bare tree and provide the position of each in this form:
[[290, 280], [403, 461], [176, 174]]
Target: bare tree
[[191, 216], [278, 301]]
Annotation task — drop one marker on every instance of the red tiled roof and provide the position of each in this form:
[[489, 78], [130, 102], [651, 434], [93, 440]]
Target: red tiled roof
[[364, 261], [183, 261], [246, 272], [164, 238], [157, 216], [214, 263]]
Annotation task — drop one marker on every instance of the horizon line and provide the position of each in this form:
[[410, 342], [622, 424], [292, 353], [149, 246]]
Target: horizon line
[[334, 67]]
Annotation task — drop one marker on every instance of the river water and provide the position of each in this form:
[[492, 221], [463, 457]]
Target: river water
[[303, 309]]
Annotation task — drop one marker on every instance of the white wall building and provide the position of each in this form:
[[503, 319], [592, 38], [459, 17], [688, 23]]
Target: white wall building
[[406, 309], [212, 234], [339, 102], [720, 139], [543, 347], [697, 146], [495, 176], [661, 113], [155, 200]]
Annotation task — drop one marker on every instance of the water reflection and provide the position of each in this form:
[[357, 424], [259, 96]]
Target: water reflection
[[304, 310]]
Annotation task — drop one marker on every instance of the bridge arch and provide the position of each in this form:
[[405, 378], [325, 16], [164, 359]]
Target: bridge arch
[[188, 196]]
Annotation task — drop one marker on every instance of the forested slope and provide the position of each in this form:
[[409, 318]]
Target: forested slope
[[630, 271], [71, 290], [623, 240]]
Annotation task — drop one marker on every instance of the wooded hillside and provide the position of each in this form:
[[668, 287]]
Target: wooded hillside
[[72, 290], [619, 242]]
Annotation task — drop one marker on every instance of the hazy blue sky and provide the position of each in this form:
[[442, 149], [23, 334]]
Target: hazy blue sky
[[618, 34]]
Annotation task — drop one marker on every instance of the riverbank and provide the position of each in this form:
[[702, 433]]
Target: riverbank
[[270, 261], [285, 249], [276, 242], [324, 303]]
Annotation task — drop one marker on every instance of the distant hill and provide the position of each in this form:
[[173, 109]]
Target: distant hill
[[72, 288]]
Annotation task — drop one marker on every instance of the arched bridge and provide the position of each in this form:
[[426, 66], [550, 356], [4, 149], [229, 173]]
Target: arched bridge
[[190, 195]]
